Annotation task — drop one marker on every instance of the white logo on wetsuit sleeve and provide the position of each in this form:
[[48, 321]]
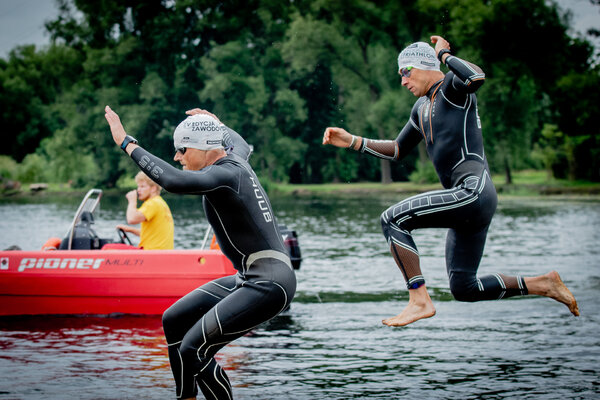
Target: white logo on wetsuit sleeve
[[262, 203]]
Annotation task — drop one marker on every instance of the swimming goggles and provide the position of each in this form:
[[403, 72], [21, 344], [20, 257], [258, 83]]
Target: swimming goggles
[[405, 72], [180, 150]]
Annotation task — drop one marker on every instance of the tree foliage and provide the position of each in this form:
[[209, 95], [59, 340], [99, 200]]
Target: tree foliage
[[280, 72]]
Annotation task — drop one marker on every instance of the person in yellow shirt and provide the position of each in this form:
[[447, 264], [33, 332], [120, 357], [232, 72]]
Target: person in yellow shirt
[[157, 229]]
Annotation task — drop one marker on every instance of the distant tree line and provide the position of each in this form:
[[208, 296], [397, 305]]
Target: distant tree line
[[279, 72]]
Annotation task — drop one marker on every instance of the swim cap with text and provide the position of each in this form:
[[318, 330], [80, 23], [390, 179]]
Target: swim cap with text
[[418, 55], [199, 131]]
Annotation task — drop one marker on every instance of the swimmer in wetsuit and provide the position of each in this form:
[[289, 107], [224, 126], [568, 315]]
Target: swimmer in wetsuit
[[239, 211], [445, 117]]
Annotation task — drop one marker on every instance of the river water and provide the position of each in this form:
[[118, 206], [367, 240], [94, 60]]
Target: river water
[[331, 343]]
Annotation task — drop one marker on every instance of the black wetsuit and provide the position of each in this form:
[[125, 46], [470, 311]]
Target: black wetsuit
[[208, 318], [447, 119]]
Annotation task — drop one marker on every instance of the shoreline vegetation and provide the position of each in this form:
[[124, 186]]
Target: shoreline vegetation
[[279, 73], [583, 189], [525, 183]]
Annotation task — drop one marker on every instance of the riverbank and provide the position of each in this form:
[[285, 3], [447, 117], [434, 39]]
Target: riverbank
[[525, 183]]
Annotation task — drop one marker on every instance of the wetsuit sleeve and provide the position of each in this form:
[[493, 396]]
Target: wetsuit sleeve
[[235, 143], [394, 150], [175, 180], [467, 77]]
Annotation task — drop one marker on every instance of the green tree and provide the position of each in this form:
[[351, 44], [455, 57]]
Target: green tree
[[550, 150], [510, 120], [8, 168], [281, 72], [244, 83], [29, 81], [577, 98], [524, 49], [356, 42]]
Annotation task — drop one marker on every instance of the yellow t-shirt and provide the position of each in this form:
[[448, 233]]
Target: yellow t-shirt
[[157, 230]]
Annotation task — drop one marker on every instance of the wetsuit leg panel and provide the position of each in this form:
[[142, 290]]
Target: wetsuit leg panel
[[181, 317], [463, 255], [248, 306], [441, 208], [408, 262], [464, 248], [252, 302]]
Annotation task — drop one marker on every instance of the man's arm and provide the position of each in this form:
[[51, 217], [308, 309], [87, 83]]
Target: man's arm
[[130, 229], [175, 180], [393, 150], [170, 178], [133, 215], [234, 142], [339, 137], [117, 130], [468, 77]]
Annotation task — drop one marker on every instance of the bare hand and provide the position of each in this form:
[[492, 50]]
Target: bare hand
[[116, 128], [131, 196], [440, 43], [195, 111], [338, 137]]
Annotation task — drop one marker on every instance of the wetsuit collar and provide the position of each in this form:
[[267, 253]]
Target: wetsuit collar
[[433, 88], [230, 157]]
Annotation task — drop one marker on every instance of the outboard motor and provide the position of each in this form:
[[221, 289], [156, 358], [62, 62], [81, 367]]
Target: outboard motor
[[290, 240]]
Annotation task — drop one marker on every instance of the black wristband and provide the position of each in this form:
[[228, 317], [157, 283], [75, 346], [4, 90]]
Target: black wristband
[[441, 53], [128, 139]]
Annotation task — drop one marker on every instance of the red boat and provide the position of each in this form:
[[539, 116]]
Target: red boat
[[80, 278]]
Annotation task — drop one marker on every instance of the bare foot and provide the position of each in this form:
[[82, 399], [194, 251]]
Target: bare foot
[[413, 312], [550, 285], [559, 292]]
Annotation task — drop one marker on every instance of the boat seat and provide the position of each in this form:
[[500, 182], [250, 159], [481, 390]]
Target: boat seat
[[84, 237], [86, 218]]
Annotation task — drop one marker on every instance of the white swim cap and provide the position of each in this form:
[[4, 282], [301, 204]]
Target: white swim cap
[[418, 55], [199, 131]]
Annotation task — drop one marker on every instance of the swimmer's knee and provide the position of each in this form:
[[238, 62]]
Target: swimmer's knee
[[168, 317], [390, 220], [172, 324], [463, 295], [383, 220], [464, 287], [191, 355], [385, 224]]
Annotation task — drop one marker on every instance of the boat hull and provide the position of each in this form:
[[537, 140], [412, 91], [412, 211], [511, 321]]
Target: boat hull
[[103, 281]]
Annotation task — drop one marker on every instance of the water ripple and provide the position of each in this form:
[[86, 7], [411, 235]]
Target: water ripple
[[332, 344]]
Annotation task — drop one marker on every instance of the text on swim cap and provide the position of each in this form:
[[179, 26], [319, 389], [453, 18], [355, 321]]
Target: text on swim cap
[[202, 126], [413, 53]]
